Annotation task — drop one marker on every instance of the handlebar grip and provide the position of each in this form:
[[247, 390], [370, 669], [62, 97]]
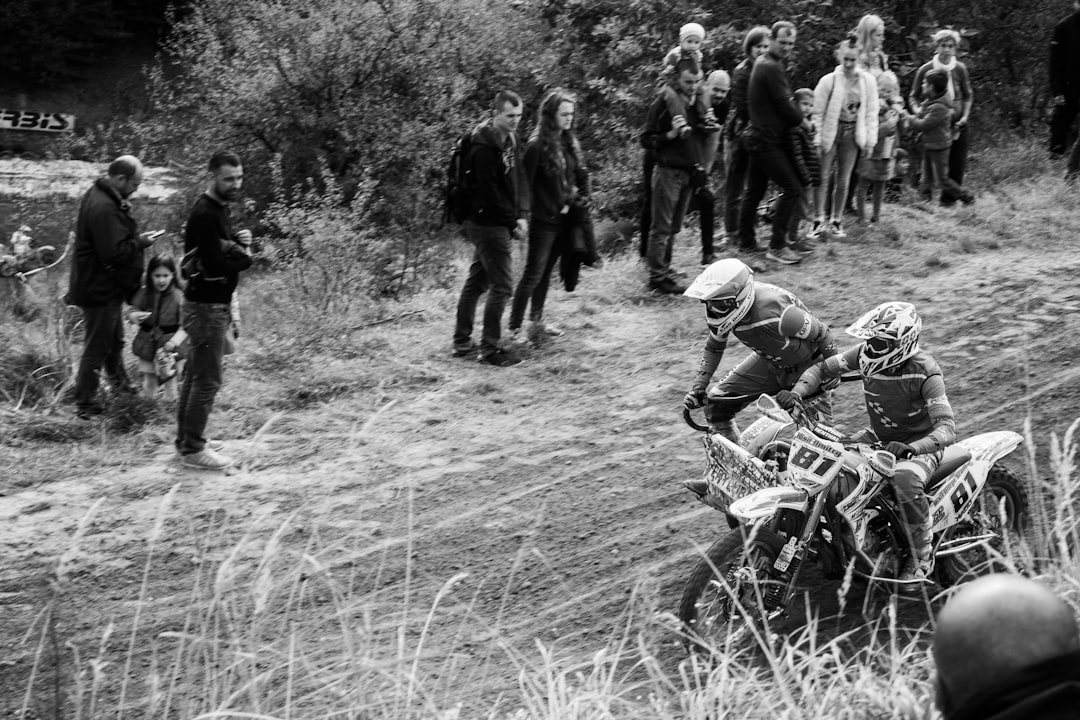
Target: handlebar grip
[[691, 422]]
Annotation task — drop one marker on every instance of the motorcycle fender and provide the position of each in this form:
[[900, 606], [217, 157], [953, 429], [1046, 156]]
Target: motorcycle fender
[[992, 446], [767, 501]]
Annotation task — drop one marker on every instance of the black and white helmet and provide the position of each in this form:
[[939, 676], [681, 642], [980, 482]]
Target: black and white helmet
[[727, 289], [891, 335]]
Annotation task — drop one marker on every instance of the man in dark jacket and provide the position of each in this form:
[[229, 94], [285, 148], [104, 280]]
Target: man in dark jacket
[[214, 256], [1007, 648], [105, 271], [677, 151], [772, 114], [499, 211], [1065, 78]]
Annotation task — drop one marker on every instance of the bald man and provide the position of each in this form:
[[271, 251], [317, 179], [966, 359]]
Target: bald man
[[106, 270], [1007, 648]]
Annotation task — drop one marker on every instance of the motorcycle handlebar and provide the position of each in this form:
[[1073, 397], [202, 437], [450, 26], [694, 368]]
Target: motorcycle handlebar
[[689, 420]]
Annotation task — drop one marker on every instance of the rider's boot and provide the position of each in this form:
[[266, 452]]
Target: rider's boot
[[726, 428], [921, 563]]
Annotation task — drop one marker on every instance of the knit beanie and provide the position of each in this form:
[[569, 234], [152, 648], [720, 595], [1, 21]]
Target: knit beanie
[[691, 30]]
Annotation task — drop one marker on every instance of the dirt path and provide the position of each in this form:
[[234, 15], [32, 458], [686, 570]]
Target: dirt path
[[555, 485]]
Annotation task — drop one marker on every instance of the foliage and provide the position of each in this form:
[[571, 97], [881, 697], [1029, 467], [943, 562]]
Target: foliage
[[368, 89]]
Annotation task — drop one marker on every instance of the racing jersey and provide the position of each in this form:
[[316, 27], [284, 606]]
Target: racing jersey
[[907, 404], [778, 327]]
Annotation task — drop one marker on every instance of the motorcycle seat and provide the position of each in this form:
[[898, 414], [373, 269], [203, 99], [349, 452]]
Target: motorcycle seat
[[954, 457]]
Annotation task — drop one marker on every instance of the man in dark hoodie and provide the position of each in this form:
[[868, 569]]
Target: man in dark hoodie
[[1007, 648], [105, 271], [499, 208]]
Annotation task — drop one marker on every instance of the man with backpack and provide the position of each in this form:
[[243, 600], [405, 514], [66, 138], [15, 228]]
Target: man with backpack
[[494, 199]]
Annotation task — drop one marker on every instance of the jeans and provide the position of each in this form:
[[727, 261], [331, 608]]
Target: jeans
[[536, 277], [670, 196], [1060, 123], [958, 156], [648, 165], [935, 176], [768, 162], [206, 325], [736, 182], [841, 156], [491, 271], [705, 202], [104, 338]]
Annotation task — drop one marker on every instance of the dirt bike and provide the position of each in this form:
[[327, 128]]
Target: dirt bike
[[797, 491]]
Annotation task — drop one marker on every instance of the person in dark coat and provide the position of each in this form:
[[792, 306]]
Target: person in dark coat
[[1007, 648], [105, 272], [1064, 78]]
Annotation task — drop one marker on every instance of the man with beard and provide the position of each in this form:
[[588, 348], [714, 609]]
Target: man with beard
[[214, 257]]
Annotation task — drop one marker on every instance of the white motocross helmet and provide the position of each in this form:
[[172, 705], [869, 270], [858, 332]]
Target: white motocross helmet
[[727, 289], [891, 335]]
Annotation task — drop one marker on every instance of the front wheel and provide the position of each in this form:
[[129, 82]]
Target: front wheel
[[727, 588], [1001, 509]]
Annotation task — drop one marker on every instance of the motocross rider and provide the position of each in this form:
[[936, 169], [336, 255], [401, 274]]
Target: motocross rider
[[785, 338], [908, 409]]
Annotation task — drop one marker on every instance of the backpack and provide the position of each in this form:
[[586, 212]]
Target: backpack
[[459, 181]]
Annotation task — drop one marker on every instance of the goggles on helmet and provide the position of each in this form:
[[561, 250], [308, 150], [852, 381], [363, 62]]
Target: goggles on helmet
[[723, 305], [878, 346]]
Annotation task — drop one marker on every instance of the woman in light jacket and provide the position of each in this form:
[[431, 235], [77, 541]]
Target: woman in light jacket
[[846, 120]]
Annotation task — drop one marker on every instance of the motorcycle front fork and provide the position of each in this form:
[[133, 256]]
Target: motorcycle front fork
[[791, 557]]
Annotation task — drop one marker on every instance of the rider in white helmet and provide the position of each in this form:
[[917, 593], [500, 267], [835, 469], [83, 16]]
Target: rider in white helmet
[[908, 409], [784, 336]]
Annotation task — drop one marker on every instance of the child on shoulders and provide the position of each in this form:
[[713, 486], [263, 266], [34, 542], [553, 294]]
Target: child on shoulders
[[691, 39]]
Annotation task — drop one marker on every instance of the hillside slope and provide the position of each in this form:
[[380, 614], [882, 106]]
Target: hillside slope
[[456, 513]]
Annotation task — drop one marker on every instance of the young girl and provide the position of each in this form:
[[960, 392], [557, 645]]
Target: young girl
[[879, 167], [160, 340], [846, 117]]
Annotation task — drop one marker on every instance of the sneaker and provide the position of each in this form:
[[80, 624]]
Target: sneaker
[[803, 246], [784, 255], [836, 229], [206, 459], [815, 230], [668, 287], [917, 572], [501, 358], [467, 351], [215, 445], [542, 328]]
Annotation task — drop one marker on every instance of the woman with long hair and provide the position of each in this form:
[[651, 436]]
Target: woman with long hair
[[558, 181], [870, 38]]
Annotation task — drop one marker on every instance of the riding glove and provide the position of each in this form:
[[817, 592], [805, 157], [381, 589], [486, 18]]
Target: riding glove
[[695, 398], [902, 451], [788, 400]]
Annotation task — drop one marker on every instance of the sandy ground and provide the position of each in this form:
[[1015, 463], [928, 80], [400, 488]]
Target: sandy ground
[[554, 485]]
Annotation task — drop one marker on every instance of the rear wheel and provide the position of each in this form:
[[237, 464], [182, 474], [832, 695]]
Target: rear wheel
[[726, 588], [1001, 509]]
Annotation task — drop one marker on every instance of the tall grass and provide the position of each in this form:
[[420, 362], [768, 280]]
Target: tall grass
[[289, 625]]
